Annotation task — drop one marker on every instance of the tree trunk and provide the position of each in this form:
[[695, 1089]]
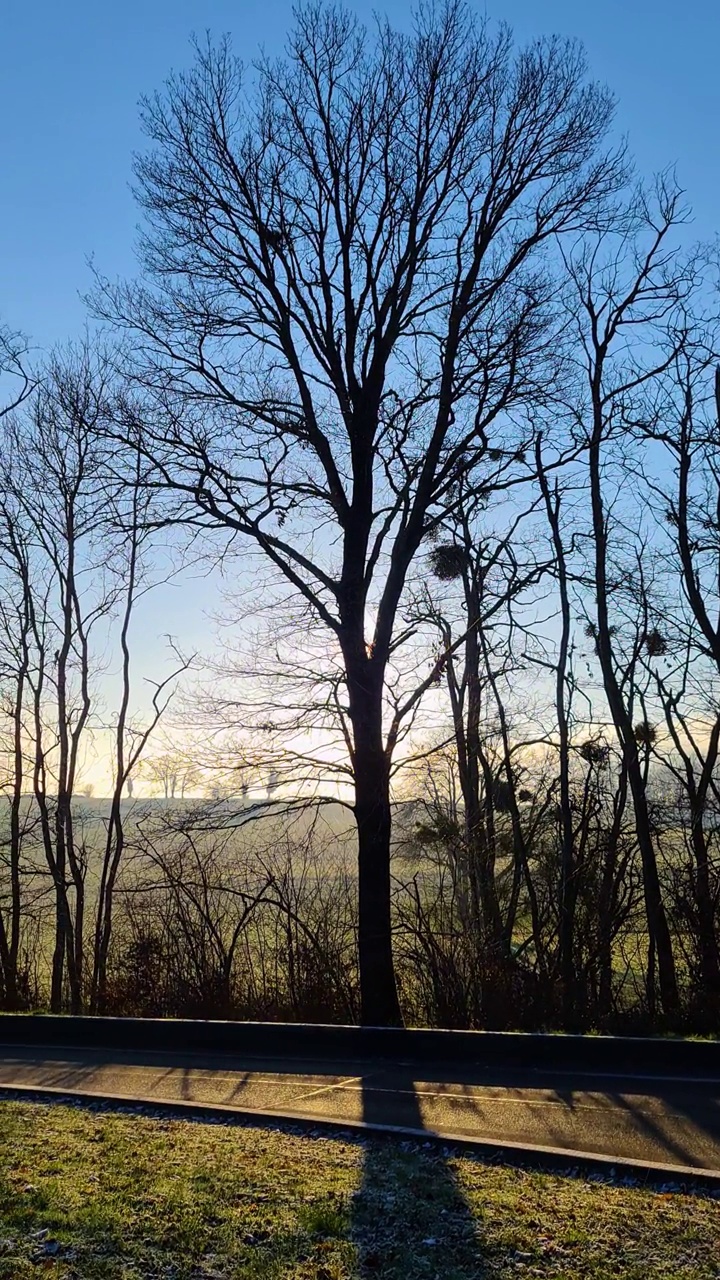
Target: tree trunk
[[103, 923], [9, 985], [707, 939], [70, 927], [568, 878], [480, 849], [12, 993], [59, 949], [654, 907], [379, 1005], [607, 899]]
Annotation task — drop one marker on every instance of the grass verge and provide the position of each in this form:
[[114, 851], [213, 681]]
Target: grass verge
[[93, 1194]]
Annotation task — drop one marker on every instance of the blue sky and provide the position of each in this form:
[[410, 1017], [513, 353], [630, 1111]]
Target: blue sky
[[71, 74]]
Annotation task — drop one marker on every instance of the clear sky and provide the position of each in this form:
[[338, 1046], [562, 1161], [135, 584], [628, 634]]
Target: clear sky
[[71, 74]]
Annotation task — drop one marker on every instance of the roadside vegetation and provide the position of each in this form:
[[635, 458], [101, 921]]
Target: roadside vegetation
[[98, 1195]]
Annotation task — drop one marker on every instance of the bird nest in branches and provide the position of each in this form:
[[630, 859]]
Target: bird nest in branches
[[655, 643], [449, 561], [645, 734], [594, 751]]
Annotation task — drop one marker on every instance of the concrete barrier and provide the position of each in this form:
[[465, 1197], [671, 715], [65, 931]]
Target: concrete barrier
[[655, 1056]]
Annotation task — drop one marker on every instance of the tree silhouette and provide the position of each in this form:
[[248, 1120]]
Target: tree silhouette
[[346, 293]]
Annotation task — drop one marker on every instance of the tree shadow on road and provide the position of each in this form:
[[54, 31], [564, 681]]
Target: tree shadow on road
[[410, 1218]]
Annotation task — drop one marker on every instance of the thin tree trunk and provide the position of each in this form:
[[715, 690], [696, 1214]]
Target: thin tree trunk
[[115, 841], [482, 852], [568, 882], [11, 983], [608, 890], [654, 907]]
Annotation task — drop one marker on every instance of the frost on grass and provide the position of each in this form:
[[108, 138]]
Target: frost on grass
[[93, 1195]]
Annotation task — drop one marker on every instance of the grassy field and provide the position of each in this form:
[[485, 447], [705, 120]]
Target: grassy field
[[91, 1194]]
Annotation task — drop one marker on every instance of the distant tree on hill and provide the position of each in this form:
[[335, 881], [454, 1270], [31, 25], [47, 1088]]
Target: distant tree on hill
[[172, 773]]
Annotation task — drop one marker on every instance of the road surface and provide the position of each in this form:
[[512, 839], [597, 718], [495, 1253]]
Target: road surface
[[671, 1121]]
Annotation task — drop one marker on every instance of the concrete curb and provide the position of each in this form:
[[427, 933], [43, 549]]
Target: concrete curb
[[655, 1056], [520, 1155]]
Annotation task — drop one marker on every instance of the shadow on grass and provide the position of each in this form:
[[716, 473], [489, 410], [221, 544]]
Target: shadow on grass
[[410, 1218]]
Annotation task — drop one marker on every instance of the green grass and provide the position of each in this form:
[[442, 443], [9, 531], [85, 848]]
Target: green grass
[[95, 1194]]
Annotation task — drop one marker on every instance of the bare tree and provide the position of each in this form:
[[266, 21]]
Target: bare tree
[[345, 295], [680, 648], [16, 381], [492, 580], [164, 770], [70, 541], [130, 743], [552, 497], [15, 628], [634, 283], [54, 474]]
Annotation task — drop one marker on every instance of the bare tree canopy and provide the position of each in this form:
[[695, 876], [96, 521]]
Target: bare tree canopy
[[15, 378], [73, 538]]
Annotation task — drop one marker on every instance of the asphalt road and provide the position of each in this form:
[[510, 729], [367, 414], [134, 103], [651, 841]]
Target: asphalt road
[[670, 1121]]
